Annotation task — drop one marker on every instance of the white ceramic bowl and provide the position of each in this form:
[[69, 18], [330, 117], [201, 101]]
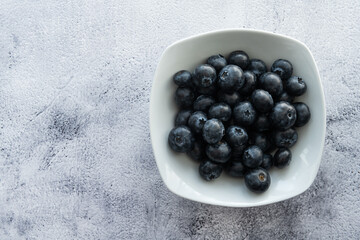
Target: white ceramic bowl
[[180, 174]]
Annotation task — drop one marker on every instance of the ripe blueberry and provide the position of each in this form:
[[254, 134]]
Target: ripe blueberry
[[231, 78], [257, 180], [221, 111], [219, 152], [181, 139], [244, 113], [217, 61], [283, 68], [213, 131], [283, 115], [204, 76], [184, 97], [197, 121], [239, 58], [282, 157], [302, 114]]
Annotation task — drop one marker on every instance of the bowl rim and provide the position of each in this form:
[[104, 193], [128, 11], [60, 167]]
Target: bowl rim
[[223, 31]]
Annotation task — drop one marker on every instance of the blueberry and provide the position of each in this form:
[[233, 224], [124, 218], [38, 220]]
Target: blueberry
[[182, 117], [244, 113], [183, 79], [184, 97], [286, 138], [231, 78], [302, 114], [219, 152], [217, 61], [239, 58], [267, 162], [252, 157], [262, 101], [257, 66], [249, 85], [236, 136], [203, 103], [213, 131], [197, 121], [209, 91], [209, 170], [271, 83], [282, 157], [229, 98], [257, 180], [204, 76], [261, 140], [221, 111], [283, 115], [198, 151], [295, 86], [284, 96], [181, 139], [262, 123], [283, 68], [235, 169]]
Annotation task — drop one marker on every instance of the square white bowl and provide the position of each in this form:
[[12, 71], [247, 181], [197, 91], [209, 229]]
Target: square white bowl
[[180, 173]]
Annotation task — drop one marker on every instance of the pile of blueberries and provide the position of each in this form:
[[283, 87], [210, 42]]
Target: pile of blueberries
[[234, 114]]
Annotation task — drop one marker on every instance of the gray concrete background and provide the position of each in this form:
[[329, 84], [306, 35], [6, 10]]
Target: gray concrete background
[[75, 153]]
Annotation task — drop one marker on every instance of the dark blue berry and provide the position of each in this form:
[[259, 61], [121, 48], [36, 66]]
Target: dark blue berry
[[283, 68], [286, 138], [183, 79], [213, 131], [257, 66], [283, 115], [197, 121], [236, 136], [203, 103], [239, 58], [198, 151], [244, 113], [182, 117], [229, 98], [231, 78], [261, 140], [184, 97], [181, 139], [284, 96], [267, 162], [282, 157], [249, 85], [252, 157], [220, 111], [295, 86], [210, 170], [217, 61], [204, 76], [262, 123], [262, 101], [257, 180], [272, 83], [219, 152], [303, 114], [235, 169]]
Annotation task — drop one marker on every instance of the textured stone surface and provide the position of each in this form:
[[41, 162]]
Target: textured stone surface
[[75, 156]]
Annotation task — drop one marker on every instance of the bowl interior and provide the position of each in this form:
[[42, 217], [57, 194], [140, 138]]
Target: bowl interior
[[180, 174]]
